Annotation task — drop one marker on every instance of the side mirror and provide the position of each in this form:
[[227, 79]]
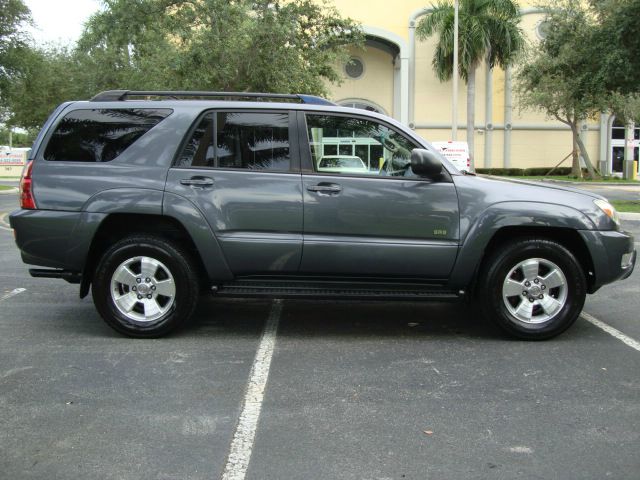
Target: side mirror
[[425, 163]]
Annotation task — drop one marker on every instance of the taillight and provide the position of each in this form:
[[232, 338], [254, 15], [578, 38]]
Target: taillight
[[26, 188]]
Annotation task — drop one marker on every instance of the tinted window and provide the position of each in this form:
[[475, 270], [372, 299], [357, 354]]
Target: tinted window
[[257, 141], [198, 151], [250, 140], [100, 135], [357, 146]]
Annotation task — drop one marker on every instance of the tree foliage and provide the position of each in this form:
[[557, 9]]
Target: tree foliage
[[618, 32], [280, 46], [583, 66], [14, 15], [488, 31]]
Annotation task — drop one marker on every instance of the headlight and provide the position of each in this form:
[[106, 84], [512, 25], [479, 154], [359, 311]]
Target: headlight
[[609, 210]]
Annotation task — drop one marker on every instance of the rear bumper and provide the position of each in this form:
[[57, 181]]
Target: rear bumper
[[612, 253], [45, 237]]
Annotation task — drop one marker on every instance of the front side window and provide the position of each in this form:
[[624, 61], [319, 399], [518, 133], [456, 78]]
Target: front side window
[[100, 135], [243, 140], [349, 145]]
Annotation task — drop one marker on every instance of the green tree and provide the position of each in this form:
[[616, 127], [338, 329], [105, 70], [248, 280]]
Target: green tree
[[488, 31], [259, 45], [277, 46], [617, 35], [566, 76], [14, 15], [47, 78]]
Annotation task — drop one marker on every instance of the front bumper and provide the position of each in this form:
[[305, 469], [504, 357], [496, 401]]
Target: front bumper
[[613, 256]]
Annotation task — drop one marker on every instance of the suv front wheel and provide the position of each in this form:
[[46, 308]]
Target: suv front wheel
[[532, 288], [145, 286]]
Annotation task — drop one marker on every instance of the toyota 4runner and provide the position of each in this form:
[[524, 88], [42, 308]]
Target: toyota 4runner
[[149, 198]]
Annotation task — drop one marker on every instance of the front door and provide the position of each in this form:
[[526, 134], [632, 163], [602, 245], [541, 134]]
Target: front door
[[242, 172], [365, 213]]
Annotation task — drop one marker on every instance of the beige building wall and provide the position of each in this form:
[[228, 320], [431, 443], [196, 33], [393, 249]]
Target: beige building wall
[[377, 77], [535, 140]]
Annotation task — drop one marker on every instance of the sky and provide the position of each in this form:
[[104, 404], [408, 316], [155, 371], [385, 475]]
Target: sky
[[59, 21]]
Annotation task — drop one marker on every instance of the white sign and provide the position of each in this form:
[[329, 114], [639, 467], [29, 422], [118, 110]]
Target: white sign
[[456, 152], [8, 158]]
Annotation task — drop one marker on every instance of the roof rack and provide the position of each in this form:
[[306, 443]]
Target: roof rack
[[121, 95]]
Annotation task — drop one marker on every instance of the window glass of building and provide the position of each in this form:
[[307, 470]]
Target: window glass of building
[[357, 146]]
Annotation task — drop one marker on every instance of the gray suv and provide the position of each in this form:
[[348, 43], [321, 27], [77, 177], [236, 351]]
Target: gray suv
[[149, 198]]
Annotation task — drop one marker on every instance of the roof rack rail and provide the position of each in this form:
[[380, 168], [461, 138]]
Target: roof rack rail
[[121, 95]]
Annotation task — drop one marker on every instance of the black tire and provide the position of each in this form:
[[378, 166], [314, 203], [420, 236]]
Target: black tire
[[553, 310], [174, 269]]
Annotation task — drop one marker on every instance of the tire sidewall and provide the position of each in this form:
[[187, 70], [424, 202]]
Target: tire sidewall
[[507, 260], [173, 261]]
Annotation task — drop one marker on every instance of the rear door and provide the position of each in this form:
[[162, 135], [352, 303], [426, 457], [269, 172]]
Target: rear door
[[383, 221], [241, 168]]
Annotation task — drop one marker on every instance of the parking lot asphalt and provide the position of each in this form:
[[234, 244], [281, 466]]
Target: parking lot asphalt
[[355, 390]]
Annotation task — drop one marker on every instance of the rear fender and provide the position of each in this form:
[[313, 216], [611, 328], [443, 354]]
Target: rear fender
[[194, 222]]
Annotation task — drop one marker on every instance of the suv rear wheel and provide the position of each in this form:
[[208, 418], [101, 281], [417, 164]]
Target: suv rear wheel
[[145, 286], [532, 288]]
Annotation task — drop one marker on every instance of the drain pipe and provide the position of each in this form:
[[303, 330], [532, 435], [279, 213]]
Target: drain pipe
[[488, 116], [508, 110], [413, 20], [609, 155]]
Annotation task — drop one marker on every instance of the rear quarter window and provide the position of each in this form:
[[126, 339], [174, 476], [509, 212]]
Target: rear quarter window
[[100, 135]]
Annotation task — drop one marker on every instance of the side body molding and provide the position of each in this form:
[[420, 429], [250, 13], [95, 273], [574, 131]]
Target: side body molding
[[479, 231]]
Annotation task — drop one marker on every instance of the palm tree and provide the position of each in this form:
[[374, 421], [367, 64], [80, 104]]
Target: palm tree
[[488, 30]]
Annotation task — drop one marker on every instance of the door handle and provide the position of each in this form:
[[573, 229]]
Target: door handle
[[197, 181], [326, 188]]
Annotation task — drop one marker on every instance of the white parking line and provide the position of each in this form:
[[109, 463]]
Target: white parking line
[[611, 331], [12, 293], [242, 443], [4, 225]]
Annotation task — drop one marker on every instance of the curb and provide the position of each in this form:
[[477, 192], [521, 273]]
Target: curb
[[9, 192], [595, 184], [629, 215]]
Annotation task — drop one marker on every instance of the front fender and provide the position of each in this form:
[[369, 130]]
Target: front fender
[[509, 214]]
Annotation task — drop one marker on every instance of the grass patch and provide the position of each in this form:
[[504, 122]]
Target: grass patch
[[5, 187], [626, 205]]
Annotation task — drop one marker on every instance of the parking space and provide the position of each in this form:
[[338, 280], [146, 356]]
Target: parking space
[[354, 390]]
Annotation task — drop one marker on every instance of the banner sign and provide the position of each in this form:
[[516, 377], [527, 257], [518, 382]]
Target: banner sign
[[12, 158]]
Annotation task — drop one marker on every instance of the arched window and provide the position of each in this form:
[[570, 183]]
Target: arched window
[[362, 105]]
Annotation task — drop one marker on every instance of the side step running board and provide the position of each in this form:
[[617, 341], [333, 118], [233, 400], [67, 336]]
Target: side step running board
[[71, 277], [337, 290]]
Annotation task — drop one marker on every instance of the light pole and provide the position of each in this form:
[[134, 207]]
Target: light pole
[[454, 114]]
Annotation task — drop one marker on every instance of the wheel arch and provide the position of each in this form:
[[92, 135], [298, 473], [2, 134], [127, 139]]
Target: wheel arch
[[469, 264], [567, 237], [116, 226]]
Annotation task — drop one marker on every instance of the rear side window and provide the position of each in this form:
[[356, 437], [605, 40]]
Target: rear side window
[[100, 135], [242, 140]]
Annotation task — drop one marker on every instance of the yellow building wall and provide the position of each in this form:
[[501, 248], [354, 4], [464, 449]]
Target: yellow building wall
[[432, 98], [377, 77], [393, 16]]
